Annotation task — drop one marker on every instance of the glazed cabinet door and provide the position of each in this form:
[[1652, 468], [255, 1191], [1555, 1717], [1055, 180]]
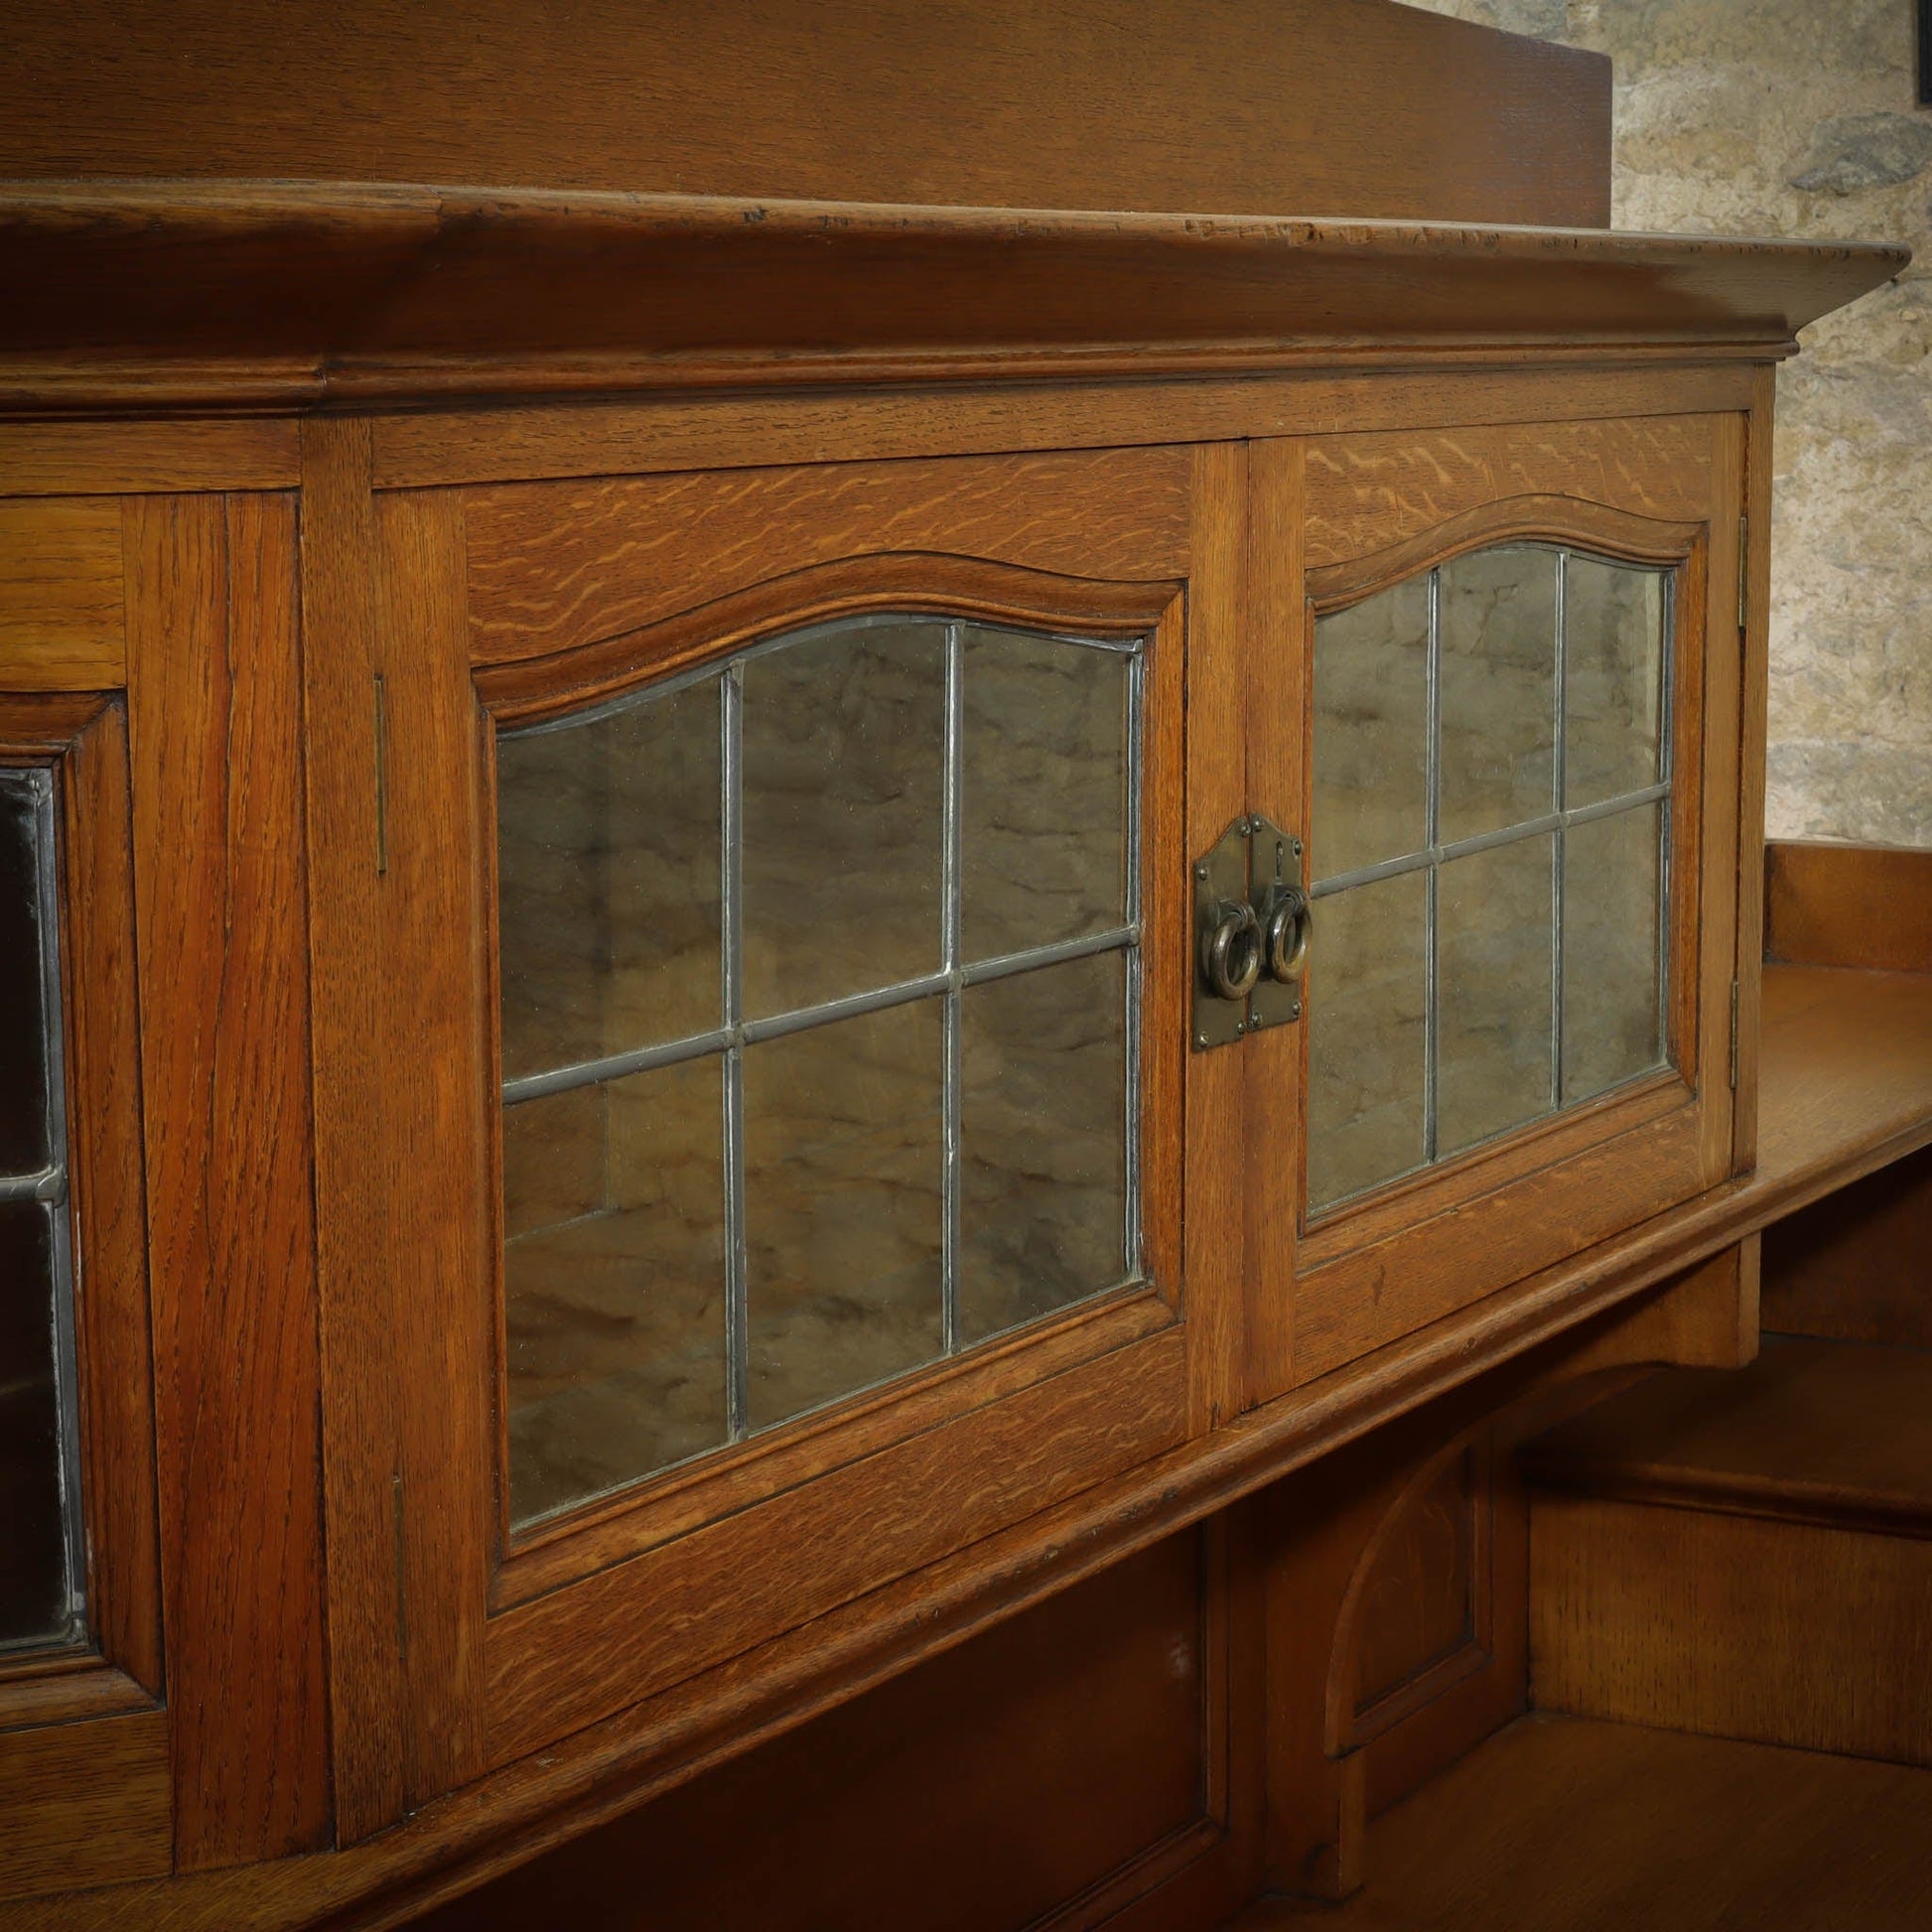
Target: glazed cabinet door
[[1510, 741], [752, 975], [161, 1702]]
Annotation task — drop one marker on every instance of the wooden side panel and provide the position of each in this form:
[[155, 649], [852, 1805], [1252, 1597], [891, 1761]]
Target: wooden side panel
[[981, 1789], [1418, 1602], [62, 621], [1754, 687], [214, 725], [1368, 492], [84, 1804], [1852, 1267], [1867, 906], [1262, 105], [555, 565], [1786, 1633]]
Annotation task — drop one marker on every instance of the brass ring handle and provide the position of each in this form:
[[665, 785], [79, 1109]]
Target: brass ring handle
[[1290, 926], [1232, 951]]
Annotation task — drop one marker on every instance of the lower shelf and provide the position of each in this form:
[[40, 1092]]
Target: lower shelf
[[1567, 1825]]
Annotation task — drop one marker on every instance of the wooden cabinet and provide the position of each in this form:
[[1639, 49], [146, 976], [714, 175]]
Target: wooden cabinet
[[759, 959], [762, 948]]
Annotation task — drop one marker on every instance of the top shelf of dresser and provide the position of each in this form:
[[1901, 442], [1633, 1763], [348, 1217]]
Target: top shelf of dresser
[[1846, 1079], [276, 295]]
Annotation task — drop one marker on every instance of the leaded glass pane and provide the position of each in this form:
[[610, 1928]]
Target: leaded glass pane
[[1043, 804], [39, 1541], [1613, 992], [844, 1207], [1044, 1194], [1495, 922], [1498, 689], [1368, 1003], [1613, 679], [1372, 736], [821, 979], [1491, 830], [608, 879], [844, 768]]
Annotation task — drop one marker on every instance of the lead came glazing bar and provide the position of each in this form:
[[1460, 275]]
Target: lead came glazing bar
[[1432, 821], [1437, 854], [732, 888], [949, 954], [1557, 776], [1131, 1188]]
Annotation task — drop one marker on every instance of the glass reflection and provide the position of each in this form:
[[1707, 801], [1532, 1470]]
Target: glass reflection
[[606, 879], [845, 735], [1613, 684], [1495, 919], [1043, 801], [1368, 998], [40, 1531], [1044, 1189], [1612, 1020], [1371, 737], [614, 1282], [844, 1215], [1498, 618], [34, 1601]]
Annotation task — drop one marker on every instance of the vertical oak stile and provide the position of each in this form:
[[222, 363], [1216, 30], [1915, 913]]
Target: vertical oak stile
[[1720, 723], [215, 732], [439, 1291], [361, 1399], [1214, 1181], [1275, 704], [1753, 708]]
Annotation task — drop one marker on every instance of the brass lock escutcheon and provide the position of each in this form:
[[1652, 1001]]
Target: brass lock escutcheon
[[1252, 927]]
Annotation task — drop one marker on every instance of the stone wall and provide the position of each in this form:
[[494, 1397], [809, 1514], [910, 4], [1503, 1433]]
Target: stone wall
[[1798, 117]]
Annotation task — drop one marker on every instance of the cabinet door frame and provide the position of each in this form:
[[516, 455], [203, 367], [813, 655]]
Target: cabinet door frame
[[91, 1710], [1372, 1270], [514, 1642]]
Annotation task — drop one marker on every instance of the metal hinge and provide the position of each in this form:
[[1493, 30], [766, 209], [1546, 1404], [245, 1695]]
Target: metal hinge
[[1733, 1036], [1744, 569], [381, 777]]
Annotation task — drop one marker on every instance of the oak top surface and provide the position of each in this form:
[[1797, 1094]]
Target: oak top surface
[[1570, 1824], [1846, 1069]]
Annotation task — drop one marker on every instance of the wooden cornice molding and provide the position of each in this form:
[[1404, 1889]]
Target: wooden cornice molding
[[164, 295]]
